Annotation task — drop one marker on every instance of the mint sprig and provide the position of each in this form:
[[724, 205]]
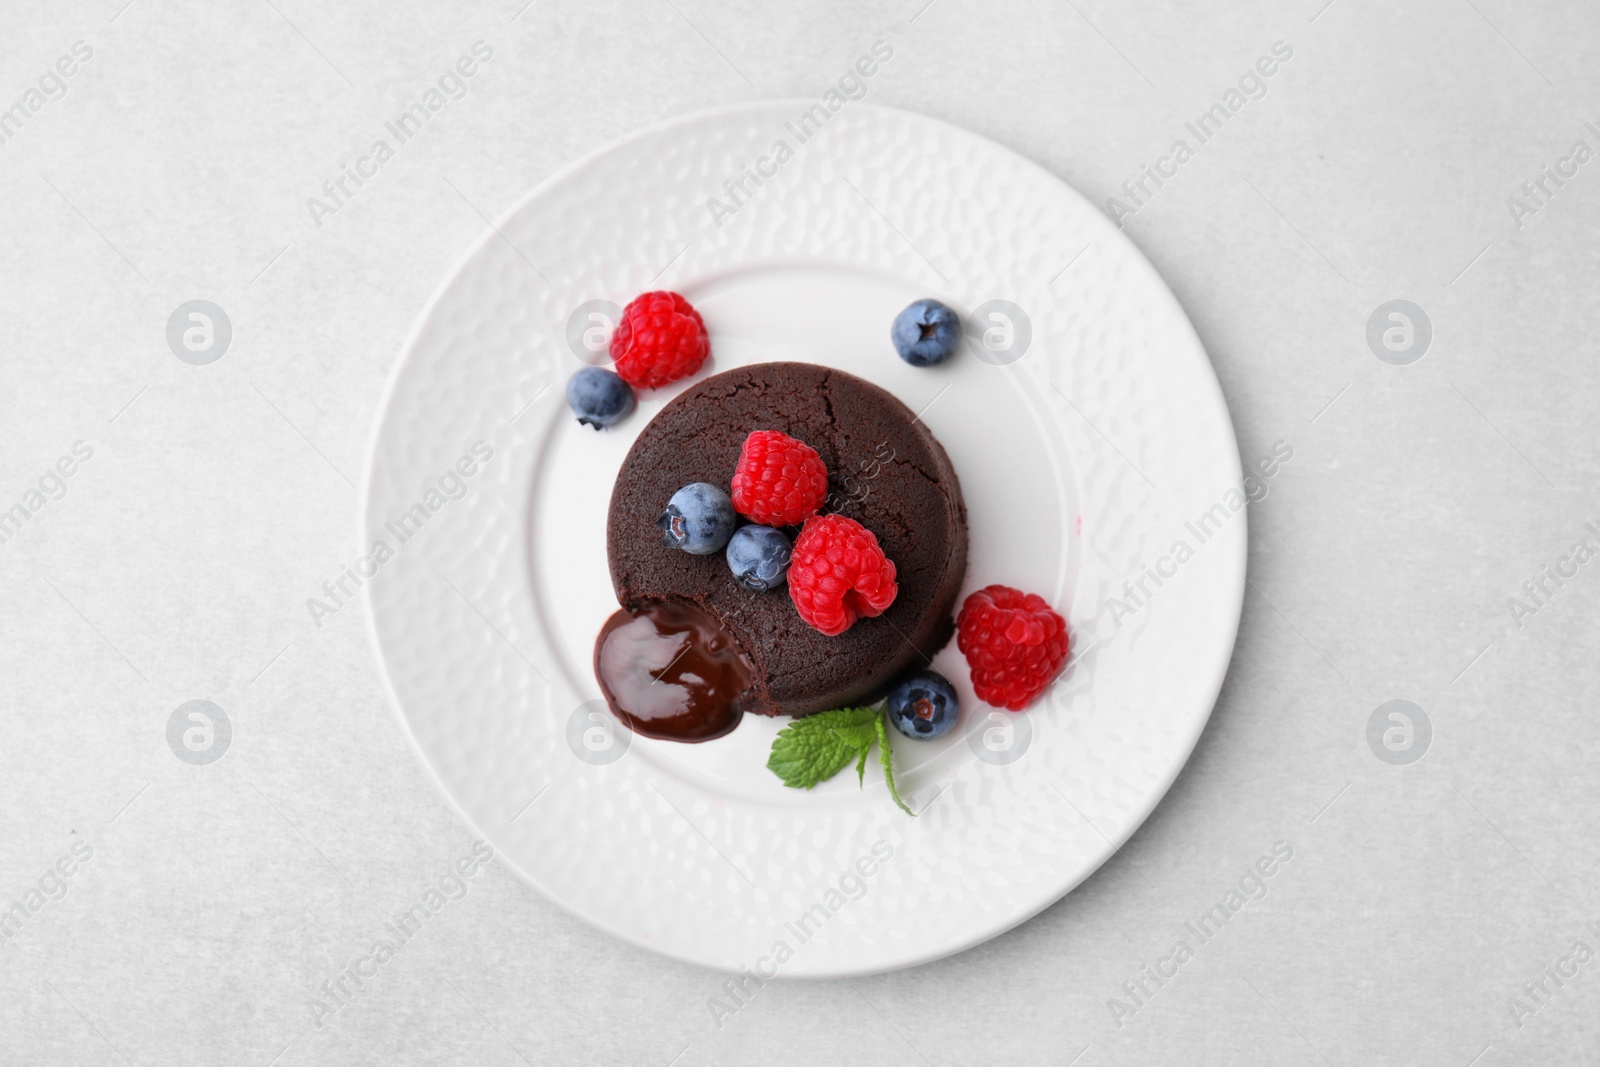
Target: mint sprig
[[817, 747], [886, 757]]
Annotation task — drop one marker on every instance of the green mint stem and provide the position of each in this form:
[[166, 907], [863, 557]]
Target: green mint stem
[[885, 754]]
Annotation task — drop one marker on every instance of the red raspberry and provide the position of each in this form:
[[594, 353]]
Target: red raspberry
[[838, 573], [778, 481], [1014, 643], [660, 339]]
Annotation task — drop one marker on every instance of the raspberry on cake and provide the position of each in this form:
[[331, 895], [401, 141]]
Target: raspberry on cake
[[1015, 644], [839, 574], [660, 339], [778, 481]]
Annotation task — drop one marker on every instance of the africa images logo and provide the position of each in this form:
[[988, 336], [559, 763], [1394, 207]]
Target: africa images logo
[[852, 85], [452, 485], [1136, 591], [50, 887], [1252, 85], [850, 885], [450, 86], [51, 485], [1251, 888], [52, 86], [452, 886]]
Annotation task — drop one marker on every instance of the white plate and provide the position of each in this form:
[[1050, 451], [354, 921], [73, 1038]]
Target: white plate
[[1082, 456]]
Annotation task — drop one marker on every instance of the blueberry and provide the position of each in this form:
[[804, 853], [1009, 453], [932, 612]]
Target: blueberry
[[699, 519], [925, 333], [923, 705], [599, 397], [759, 557]]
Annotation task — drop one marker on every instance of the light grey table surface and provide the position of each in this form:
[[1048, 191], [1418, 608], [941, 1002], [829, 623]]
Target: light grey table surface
[[206, 905]]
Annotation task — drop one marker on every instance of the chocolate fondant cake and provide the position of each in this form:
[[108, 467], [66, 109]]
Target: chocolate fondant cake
[[886, 471]]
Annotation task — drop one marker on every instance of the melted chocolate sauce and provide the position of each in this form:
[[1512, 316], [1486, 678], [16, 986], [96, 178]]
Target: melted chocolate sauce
[[671, 672]]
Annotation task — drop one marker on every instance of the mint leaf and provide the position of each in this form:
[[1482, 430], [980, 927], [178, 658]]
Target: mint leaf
[[817, 747], [885, 757]]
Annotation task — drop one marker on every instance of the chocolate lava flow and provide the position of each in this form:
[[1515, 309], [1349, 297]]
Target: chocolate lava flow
[[671, 672]]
